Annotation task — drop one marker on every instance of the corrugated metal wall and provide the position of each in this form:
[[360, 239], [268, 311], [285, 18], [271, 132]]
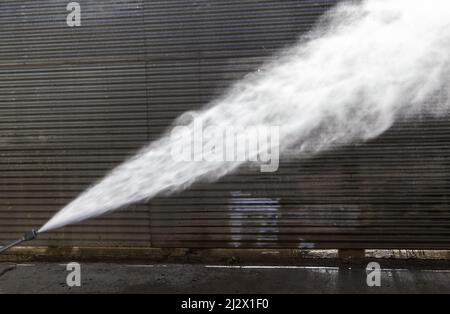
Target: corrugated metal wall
[[74, 102]]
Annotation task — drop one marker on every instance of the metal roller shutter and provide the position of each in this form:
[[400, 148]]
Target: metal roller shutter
[[74, 102]]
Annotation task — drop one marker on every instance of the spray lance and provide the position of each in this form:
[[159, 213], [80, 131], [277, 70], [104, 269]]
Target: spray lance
[[28, 236]]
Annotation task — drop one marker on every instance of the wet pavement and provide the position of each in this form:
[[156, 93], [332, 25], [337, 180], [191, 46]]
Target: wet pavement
[[205, 279]]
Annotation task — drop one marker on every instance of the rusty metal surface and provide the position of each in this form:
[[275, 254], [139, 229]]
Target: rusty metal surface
[[75, 102]]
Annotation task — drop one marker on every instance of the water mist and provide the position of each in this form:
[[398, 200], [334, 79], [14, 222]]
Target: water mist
[[363, 67]]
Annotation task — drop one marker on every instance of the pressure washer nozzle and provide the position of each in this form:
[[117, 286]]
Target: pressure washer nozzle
[[28, 236]]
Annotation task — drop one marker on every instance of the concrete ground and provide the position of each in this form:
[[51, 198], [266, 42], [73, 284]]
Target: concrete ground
[[205, 279]]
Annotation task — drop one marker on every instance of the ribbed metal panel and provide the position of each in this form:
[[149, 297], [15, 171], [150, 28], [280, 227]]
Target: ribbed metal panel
[[74, 102]]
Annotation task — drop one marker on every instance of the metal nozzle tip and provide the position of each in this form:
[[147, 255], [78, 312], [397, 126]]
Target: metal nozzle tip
[[30, 235]]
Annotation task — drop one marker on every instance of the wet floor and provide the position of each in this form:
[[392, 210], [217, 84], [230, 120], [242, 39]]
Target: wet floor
[[205, 279]]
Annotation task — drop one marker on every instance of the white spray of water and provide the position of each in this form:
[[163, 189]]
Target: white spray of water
[[362, 68]]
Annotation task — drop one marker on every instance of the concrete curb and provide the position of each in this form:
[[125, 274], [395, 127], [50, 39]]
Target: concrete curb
[[211, 256]]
